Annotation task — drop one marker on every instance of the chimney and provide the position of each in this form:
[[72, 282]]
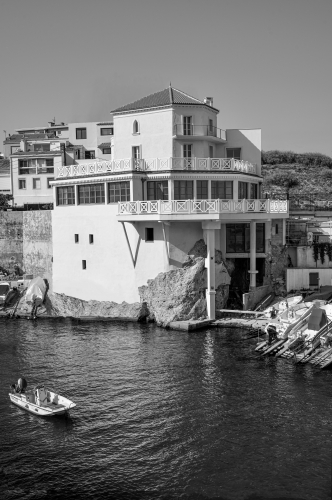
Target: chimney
[[23, 145], [209, 101]]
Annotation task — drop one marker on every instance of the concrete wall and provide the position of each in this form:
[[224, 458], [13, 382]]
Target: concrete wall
[[11, 240], [26, 240], [110, 273], [250, 142], [305, 258], [154, 137], [37, 243], [252, 298], [298, 279]]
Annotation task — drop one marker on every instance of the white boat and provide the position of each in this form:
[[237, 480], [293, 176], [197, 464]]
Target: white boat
[[41, 401], [283, 305]]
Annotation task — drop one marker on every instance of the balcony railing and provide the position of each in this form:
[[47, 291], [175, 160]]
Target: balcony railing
[[185, 207], [199, 130], [156, 164]]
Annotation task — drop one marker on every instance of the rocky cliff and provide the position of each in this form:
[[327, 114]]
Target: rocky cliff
[[179, 294]]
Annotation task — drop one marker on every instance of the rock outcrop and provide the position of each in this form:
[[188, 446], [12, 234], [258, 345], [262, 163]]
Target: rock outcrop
[[60, 305], [180, 294]]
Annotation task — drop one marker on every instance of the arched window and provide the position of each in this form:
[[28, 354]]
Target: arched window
[[135, 127]]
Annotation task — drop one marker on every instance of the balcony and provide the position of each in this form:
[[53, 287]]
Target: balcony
[[188, 130], [202, 208], [156, 164]]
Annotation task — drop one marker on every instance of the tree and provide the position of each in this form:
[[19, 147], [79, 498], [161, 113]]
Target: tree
[[5, 200], [285, 180]]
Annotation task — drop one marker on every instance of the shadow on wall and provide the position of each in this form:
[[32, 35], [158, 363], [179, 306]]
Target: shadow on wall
[[250, 142]]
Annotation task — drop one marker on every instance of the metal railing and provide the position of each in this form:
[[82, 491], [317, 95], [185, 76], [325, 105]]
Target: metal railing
[[185, 207], [199, 130], [156, 164]]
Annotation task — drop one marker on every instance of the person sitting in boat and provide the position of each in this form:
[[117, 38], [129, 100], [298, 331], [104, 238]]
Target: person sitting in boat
[[20, 386], [291, 314], [271, 330], [273, 312]]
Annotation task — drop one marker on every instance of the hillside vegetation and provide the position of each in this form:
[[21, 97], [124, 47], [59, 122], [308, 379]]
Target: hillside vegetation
[[307, 173]]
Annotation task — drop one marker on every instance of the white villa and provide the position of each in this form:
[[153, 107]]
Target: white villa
[[173, 178]]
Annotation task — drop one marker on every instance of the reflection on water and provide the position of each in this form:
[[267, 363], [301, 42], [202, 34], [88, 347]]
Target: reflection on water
[[161, 414]]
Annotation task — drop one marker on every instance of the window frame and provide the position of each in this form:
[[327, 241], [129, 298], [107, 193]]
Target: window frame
[[67, 190], [107, 149], [25, 183], [158, 193], [79, 134], [136, 127], [88, 153], [183, 188], [91, 193], [48, 180], [122, 190], [34, 183], [235, 157], [226, 186], [102, 131], [201, 191]]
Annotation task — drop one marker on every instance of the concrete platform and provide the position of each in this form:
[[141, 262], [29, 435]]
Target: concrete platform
[[189, 326]]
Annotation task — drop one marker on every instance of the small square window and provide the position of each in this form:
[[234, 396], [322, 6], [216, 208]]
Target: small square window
[[81, 133], [22, 184], [106, 131], [83, 264], [107, 151], [36, 183], [91, 239], [76, 238], [49, 179], [149, 234]]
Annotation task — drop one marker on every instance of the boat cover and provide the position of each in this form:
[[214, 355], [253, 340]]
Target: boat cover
[[317, 319], [325, 293], [36, 291]]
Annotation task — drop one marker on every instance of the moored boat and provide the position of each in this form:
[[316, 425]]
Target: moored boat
[[39, 400]]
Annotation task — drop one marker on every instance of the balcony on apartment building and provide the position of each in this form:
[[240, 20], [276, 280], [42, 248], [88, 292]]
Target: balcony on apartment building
[[188, 130], [202, 209], [156, 164]]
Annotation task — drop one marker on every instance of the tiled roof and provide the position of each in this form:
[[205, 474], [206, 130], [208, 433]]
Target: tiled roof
[[162, 99], [105, 123], [4, 166], [105, 145], [29, 137]]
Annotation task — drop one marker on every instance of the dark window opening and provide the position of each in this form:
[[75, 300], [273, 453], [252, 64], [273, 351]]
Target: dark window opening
[[149, 234], [91, 239], [243, 190], [222, 190], [183, 190], [234, 153], [202, 190], [90, 155], [66, 195], [76, 238], [81, 133], [106, 131], [83, 264], [238, 238], [107, 151], [277, 229], [157, 190], [253, 191]]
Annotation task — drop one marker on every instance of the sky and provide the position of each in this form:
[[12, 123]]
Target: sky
[[266, 63]]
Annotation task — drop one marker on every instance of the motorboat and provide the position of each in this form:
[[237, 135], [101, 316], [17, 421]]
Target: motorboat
[[282, 325], [283, 305], [39, 400]]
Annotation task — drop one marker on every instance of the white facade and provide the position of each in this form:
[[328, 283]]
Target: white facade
[[170, 183]]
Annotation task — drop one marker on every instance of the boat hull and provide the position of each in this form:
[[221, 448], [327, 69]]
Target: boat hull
[[48, 410]]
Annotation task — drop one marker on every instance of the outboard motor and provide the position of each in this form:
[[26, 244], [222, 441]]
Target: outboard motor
[[21, 385]]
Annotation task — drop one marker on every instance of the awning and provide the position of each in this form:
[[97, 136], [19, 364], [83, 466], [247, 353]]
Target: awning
[[105, 145]]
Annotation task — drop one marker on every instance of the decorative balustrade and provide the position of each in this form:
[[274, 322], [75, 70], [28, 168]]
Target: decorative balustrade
[[156, 164], [178, 207], [199, 131]]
